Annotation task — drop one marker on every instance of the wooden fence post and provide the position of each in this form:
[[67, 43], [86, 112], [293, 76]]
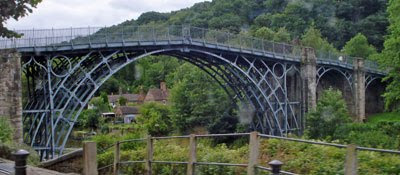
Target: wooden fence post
[[116, 159], [90, 158], [149, 155], [192, 155], [350, 167], [253, 153]]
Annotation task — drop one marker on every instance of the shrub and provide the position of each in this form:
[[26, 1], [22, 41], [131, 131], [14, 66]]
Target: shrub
[[331, 113], [104, 141], [378, 135], [155, 119], [6, 130], [303, 158], [6, 150]]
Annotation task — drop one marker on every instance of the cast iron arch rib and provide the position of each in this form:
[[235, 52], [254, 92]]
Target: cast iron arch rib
[[72, 89]]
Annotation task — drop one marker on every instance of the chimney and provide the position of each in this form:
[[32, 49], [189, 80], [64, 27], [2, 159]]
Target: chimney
[[163, 86]]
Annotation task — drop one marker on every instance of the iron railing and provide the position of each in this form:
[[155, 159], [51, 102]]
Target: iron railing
[[253, 147], [144, 34]]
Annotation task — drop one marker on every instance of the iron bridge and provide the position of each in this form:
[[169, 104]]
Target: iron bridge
[[65, 67]]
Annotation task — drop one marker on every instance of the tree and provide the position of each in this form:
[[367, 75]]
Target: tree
[[282, 35], [99, 104], [390, 58], [122, 101], [14, 9], [111, 86], [153, 70], [265, 33], [313, 38], [151, 17], [155, 118], [358, 46], [104, 97], [197, 100], [331, 112], [228, 21], [90, 118]]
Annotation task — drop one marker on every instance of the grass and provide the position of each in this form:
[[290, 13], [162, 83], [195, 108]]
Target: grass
[[387, 116]]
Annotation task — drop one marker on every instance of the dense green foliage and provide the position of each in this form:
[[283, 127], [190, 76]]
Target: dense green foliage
[[331, 113], [142, 75], [6, 150], [282, 35], [338, 21], [390, 58], [377, 135], [197, 100], [313, 38], [5, 130], [388, 116], [14, 9], [300, 158], [358, 46], [155, 119], [7, 146], [91, 118]]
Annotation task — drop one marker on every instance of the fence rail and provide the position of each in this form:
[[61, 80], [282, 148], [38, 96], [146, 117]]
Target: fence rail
[[108, 35], [252, 166]]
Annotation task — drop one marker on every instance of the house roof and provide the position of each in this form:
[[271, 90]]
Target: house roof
[[128, 97], [156, 94], [126, 110]]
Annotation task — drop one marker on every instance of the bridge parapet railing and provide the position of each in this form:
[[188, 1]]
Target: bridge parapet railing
[[113, 34], [243, 42], [101, 35], [252, 166], [335, 58], [347, 61]]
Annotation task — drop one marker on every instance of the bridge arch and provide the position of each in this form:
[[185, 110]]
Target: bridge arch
[[340, 79], [72, 88], [374, 101]]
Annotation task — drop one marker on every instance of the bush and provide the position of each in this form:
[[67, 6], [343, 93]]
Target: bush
[[6, 130], [331, 113], [300, 158], [104, 141], [303, 158], [155, 119], [6, 150], [378, 135]]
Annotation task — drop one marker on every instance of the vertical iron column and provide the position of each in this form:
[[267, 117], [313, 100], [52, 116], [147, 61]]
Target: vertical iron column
[[49, 71]]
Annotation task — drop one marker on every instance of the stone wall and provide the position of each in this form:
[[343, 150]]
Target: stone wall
[[11, 90], [68, 163]]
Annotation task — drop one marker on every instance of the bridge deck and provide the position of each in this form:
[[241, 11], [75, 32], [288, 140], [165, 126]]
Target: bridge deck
[[74, 39]]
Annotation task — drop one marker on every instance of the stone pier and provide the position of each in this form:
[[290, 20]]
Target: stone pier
[[359, 89], [309, 78], [11, 90]]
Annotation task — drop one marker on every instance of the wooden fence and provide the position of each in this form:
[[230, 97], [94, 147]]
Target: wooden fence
[[253, 164]]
